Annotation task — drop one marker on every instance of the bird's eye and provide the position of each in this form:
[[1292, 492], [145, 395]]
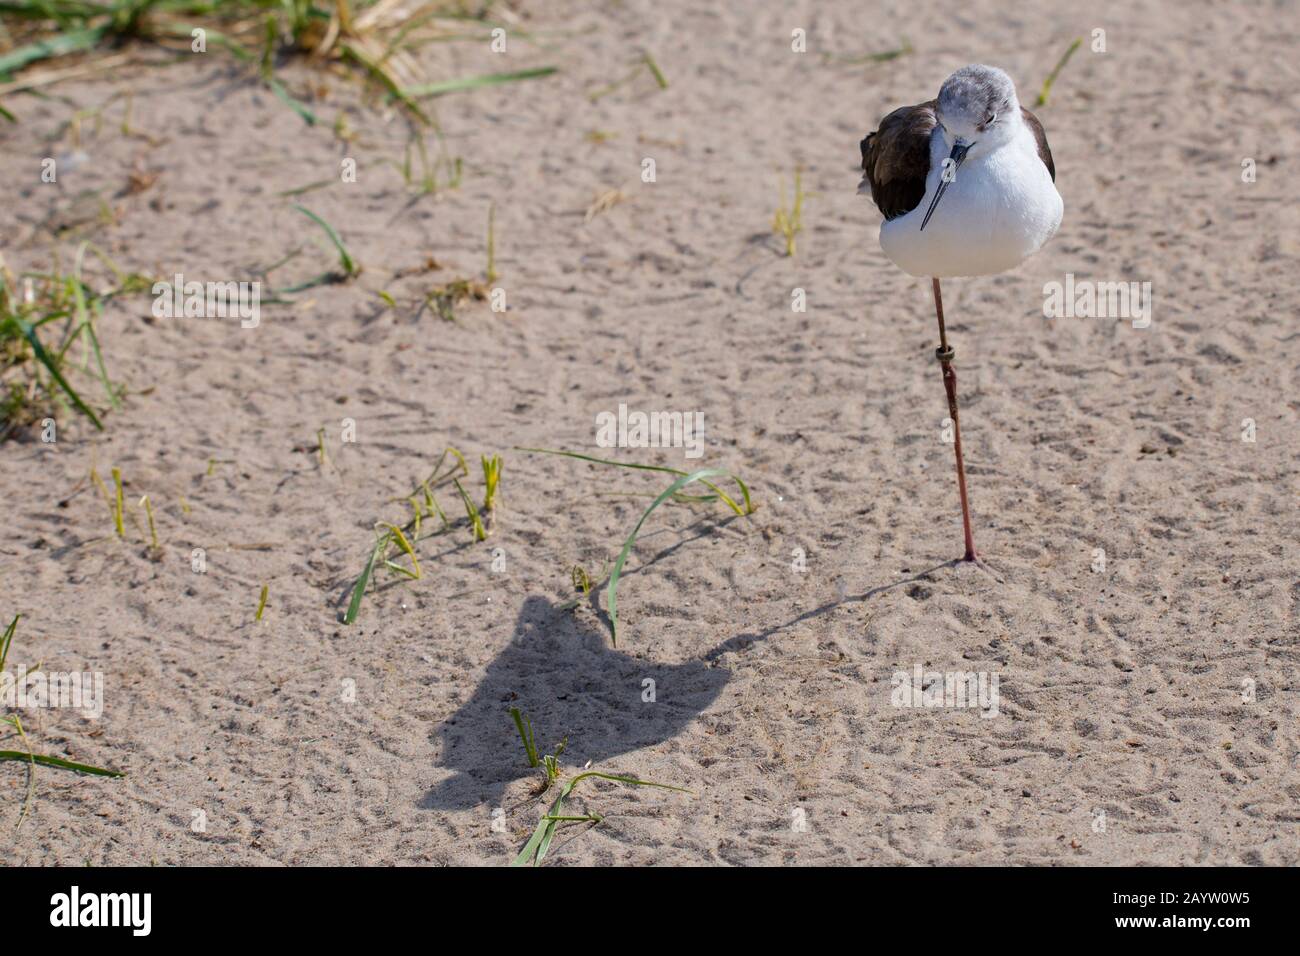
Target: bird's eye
[[990, 118]]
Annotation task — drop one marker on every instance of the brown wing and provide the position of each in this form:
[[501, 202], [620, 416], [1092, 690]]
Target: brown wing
[[896, 159], [1044, 151]]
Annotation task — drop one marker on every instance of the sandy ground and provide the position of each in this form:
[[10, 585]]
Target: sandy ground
[[1122, 735]]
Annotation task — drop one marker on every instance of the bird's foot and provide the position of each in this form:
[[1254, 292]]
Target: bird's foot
[[973, 557]]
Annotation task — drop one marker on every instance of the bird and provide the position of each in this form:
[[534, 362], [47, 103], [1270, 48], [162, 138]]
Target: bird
[[967, 187]]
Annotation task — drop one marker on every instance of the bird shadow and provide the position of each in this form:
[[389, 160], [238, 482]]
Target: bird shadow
[[564, 676], [572, 684]]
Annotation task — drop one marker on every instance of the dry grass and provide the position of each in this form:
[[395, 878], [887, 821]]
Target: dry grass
[[46, 41], [603, 203]]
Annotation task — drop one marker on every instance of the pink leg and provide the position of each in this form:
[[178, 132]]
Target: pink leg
[[945, 355]]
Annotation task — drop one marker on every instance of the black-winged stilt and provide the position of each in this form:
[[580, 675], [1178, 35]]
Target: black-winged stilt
[[1000, 209]]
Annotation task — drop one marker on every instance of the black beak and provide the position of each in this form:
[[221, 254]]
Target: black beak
[[958, 154]]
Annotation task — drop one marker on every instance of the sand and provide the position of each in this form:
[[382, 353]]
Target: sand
[[1147, 709]]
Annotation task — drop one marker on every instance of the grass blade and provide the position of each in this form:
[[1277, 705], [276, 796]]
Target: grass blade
[[58, 762], [8, 639], [74, 41], [475, 521], [396, 534], [882, 57], [87, 326], [381, 75], [1051, 77], [654, 69], [611, 591], [354, 607], [620, 779], [52, 367], [528, 855], [475, 82], [153, 528], [287, 98], [491, 479], [530, 744], [744, 489], [99, 361], [119, 505], [345, 259]]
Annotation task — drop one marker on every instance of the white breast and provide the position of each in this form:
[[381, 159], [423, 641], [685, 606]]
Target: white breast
[[999, 209]]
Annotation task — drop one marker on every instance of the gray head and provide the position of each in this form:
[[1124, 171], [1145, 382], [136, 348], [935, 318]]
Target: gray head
[[975, 102], [978, 111]]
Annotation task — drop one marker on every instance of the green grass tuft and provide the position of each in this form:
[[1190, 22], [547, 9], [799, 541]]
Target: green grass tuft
[[35, 361], [423, 502], [788, 220], [534, 851]]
